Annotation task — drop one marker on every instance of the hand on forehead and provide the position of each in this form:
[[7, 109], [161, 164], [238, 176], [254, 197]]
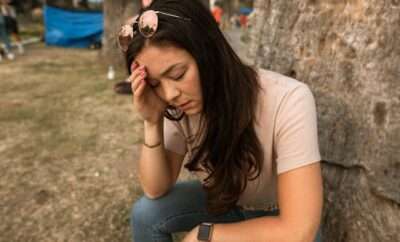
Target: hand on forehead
[[159, 60]]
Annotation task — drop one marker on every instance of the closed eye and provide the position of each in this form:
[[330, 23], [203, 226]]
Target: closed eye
[[180, 76]]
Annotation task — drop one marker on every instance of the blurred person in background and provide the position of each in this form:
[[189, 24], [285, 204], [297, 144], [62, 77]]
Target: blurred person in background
[[5, 41], [243, 21], [217, 12], [235, 21], [10, 18]]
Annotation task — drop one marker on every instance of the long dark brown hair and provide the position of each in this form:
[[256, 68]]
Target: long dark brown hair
[[230, 151]]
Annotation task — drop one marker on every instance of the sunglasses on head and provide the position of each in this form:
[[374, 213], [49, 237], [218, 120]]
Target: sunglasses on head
[[146, 24]]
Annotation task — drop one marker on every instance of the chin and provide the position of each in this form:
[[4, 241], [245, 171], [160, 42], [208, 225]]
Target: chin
[[193, 111]]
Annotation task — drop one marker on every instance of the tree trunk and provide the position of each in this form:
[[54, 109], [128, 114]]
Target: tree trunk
[[115, 13], [348, 52], [206, 3]]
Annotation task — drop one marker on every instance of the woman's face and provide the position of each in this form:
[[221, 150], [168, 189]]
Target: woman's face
[[174, 76]]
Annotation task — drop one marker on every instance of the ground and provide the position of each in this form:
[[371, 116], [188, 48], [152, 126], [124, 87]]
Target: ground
[[68, 146]]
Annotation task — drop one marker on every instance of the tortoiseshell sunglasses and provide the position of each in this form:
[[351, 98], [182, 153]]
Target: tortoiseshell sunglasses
[[146, 23]]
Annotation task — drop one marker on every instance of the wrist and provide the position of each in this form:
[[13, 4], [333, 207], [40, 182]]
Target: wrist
[[151, 146], [153, 125], [153, 134]]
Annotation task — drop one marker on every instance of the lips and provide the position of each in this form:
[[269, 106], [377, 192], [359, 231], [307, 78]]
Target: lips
[[184, 105]]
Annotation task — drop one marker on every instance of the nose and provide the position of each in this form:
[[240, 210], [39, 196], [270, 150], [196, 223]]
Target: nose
[[170, 91]]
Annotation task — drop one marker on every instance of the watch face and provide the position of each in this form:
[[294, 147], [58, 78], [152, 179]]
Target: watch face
[[204, 232]]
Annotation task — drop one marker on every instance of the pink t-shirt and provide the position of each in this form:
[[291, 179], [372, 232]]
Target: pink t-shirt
[[287, 129]]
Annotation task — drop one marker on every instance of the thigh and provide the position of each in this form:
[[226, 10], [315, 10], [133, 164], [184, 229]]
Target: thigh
[[3, 31], [183, 208]]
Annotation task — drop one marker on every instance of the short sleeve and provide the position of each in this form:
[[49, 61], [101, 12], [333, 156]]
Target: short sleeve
[[174, 139], [296, 134]]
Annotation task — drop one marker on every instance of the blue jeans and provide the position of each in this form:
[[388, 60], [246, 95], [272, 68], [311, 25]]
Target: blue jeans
[[4, 35], [182, 209]]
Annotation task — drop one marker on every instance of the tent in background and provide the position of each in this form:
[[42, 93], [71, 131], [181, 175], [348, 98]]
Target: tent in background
[[72, 27]]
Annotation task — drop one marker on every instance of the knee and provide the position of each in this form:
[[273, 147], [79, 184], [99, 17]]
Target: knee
[[150, 212], [145, 211]]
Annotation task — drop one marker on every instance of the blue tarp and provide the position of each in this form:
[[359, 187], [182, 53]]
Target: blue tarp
[[70, 28], [245, 11]]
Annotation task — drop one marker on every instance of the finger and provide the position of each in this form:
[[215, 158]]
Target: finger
[[132, 77], [134, 66], [139, 91], [137, 72], [136, 82]]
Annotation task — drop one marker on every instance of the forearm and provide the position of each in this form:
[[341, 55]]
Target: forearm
[[154, 171], [264, 229]]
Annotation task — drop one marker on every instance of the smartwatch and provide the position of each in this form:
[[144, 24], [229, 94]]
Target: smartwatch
[[205, 232]]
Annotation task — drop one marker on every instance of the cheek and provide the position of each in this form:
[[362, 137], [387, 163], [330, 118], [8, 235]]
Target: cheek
[[190, 89], [192, 85]]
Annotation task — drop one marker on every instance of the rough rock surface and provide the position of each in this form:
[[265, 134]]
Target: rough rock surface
[[348, 52]]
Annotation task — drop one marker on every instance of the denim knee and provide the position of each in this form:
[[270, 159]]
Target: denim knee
[[146, 211]]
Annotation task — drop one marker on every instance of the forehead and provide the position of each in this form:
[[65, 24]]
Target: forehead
[[157, 58]]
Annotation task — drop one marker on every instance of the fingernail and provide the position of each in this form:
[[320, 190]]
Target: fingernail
[[134, 66]]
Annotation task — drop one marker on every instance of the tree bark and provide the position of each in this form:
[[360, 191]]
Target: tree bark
[[348, 52], [206, 3], [115, 13]]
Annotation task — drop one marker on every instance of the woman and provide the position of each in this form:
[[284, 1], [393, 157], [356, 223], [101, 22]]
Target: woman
[[250, 136]]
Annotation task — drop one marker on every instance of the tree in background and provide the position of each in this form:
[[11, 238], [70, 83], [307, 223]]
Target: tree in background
[[115, 12], [206, 3], [349, 54], [26, 5]]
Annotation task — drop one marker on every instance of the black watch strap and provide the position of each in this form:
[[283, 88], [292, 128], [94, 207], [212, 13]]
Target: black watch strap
[[205, 231]]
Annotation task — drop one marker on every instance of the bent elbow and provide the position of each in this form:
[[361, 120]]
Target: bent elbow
[[154, 195]]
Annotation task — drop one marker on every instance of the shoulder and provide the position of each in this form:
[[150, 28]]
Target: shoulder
[[278, 82], [277, 89]]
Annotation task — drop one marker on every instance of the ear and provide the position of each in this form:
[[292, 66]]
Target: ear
[[146, 3]]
